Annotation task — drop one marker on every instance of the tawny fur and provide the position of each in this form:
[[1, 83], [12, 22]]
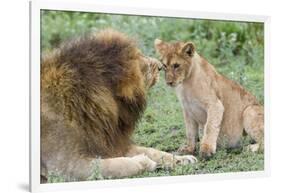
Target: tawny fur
[[93, 93], [210, 101]]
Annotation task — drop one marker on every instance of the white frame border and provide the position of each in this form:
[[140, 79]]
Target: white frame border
[[34, 146]]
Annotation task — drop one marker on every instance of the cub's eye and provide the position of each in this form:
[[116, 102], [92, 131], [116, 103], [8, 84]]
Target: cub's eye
[[176, 66]]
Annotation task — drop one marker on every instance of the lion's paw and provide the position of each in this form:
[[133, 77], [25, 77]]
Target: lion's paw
[[186, 159]]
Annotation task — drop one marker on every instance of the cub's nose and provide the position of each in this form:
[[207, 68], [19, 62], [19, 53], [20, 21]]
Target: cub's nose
[[170, 83]]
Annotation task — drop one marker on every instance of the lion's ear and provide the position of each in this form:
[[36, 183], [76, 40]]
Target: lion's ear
[[160, 46], [188, 49]]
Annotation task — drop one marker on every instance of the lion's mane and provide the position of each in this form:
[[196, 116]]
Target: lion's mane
[[92, 87]]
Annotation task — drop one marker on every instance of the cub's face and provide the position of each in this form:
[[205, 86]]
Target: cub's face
[[177, 60]]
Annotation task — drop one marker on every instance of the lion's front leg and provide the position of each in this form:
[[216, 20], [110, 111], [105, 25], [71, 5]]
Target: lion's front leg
[[126, 166], [162, 158]]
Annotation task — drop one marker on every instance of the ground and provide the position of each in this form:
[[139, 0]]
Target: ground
[[234, 48]]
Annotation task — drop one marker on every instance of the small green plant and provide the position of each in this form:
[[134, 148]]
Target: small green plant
[[96, 172], [54, 177]]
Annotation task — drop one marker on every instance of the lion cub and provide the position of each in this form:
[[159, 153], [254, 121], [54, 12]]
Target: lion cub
[[221, 107]]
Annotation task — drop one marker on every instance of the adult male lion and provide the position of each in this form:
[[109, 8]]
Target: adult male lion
[[92, 95]]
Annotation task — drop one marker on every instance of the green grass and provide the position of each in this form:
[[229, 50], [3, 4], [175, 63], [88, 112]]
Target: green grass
[[222, 162], [234, 48], [162, 127]]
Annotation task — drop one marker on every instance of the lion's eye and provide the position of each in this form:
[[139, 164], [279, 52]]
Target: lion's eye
[[176, 66]]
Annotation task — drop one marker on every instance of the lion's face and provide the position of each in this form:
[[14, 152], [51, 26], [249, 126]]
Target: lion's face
[[150, 69], [177, 60]]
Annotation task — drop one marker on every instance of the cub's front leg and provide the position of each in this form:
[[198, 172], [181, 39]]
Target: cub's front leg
[[191, 127], [211, 129]]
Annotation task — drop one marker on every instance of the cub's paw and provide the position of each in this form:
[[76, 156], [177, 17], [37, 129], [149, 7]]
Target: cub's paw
[[206, 151], [254, 148], [185, 159], [185, 149]]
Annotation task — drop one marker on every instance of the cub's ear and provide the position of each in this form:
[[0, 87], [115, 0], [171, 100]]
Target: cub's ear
[[188, 49], [160, 46]]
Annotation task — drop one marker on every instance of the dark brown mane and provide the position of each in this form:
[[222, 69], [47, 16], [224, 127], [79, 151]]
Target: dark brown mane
[[96, 85]]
